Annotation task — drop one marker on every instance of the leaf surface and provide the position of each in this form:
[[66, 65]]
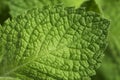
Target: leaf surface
[[53, 44]]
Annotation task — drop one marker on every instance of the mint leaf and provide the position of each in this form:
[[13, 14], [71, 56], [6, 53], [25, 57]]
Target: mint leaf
[[53, 44], [19, 6]]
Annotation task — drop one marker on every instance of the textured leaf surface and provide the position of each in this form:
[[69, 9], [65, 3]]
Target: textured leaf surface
[[53, 44], [19, 6]]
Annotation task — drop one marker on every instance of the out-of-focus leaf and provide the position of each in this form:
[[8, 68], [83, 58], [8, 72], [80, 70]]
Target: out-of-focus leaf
[[91, 5], [4, 11], [19, 6]]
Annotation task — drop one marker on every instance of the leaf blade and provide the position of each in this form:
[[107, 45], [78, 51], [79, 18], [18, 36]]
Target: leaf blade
[[55, 43]]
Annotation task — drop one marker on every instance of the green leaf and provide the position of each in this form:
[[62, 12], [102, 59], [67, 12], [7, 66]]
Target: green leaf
[[53, 44], [19, 6]]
